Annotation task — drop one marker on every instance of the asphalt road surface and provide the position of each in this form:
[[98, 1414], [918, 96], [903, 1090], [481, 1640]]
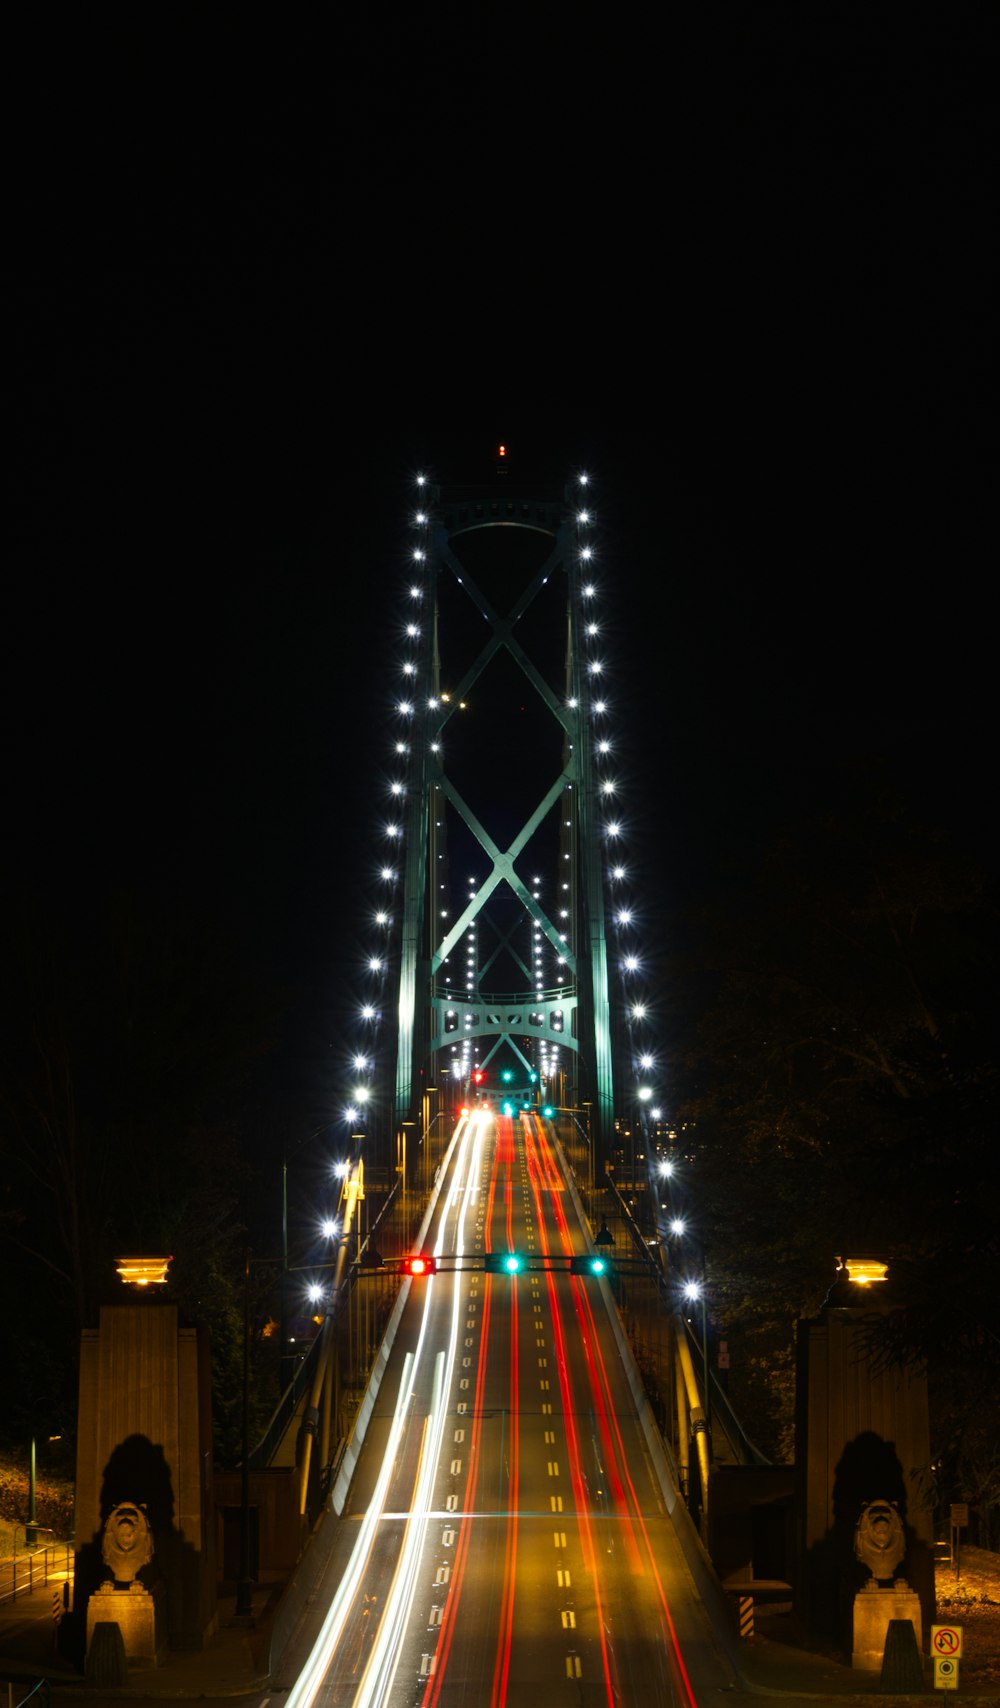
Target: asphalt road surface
[[504, 1539]]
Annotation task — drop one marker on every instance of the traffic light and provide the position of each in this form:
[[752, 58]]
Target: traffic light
[[592, 1264], [478, 1076], [507, 1076], [503, 1262], [548, 1111], [420, 1263]]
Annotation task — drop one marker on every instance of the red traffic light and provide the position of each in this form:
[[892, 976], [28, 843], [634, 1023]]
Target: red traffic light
[[478, 1076], [419, 1263]]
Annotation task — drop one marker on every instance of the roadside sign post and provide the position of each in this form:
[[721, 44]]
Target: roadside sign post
[[946, 1648]]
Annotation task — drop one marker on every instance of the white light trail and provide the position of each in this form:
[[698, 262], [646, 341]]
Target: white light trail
[[376, 1683]]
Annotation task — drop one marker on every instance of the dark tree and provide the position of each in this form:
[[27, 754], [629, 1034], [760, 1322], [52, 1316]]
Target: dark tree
[[838, 1081]]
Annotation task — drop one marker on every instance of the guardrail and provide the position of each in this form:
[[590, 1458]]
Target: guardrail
[[743, 1449], [24, 1573], [263, 1453], [39, 1693]]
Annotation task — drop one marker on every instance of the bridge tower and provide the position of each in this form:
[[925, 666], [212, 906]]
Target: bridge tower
[[502, 955]]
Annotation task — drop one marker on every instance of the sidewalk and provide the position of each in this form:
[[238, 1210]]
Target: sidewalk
[[231, 1664]]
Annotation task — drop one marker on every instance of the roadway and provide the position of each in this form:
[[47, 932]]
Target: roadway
[[504, 1539]]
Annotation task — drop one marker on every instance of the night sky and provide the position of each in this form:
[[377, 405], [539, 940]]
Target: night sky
[[258, 282]]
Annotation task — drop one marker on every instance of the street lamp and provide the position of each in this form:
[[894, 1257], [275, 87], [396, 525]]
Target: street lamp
[[31, 1528], [699, 1290]]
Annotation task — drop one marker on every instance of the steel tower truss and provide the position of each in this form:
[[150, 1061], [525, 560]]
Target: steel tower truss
[[575, 1014]]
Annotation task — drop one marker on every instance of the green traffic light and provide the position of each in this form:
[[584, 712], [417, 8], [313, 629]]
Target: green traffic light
[[503, 1262], [590, 1265]]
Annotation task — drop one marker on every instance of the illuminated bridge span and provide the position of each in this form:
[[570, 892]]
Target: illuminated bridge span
[[506, 1525], [493, 923]]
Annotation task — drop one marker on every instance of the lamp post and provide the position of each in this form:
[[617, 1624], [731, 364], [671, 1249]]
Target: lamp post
[[587, 1106], [407, 1128], [283, 1360], [31, 1528], [699, 1290]]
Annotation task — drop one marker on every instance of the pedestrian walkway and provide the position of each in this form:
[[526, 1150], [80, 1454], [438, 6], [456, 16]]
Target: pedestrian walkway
[[232, 1663]]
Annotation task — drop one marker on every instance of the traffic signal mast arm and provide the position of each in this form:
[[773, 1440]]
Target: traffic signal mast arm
[[512, 1263]]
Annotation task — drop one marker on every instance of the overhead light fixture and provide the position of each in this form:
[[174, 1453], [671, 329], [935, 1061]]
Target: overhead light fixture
[[143, 1271]]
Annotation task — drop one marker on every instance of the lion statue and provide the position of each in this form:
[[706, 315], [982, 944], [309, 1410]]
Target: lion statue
[[127, 1544], [879, 1541]]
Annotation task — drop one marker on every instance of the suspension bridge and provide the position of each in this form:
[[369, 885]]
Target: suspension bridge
[[503, 1418]]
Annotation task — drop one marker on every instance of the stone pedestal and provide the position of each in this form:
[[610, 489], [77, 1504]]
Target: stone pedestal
[[862, 1434], [873, 1609], [144, 1436], [134, 1611]]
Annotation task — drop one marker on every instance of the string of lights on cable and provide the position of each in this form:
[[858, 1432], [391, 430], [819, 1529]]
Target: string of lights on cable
[[416, 718]]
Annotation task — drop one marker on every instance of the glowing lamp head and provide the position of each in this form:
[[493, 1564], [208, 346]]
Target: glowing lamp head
[[864, 1271], [143, 1271]]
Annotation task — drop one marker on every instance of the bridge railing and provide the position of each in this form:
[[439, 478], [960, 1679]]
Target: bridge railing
[[370, 1292], [648, 1307], [25, 1574]]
